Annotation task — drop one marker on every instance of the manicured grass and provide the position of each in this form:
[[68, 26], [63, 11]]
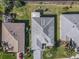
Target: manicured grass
[[21, 13], [59, 52], [1, 7], [7, 55], [4, 55], [30, 57]]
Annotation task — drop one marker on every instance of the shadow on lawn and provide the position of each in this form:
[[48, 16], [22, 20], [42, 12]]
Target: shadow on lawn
[[56, 40]]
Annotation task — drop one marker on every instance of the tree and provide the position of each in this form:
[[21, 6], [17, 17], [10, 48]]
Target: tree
[[8, 5], [19, 3]]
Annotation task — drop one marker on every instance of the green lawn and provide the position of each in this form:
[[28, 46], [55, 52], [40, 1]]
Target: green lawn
[[21, 13], [59, 52], [31, 57], [4, 55], [7, 55], [1, 7]]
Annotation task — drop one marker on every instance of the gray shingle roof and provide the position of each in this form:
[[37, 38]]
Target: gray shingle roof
[[73, 18], [47, 23]]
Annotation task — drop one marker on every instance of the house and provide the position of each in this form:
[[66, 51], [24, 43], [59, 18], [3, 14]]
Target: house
[[42, 33], [13, 35], [69, 27]]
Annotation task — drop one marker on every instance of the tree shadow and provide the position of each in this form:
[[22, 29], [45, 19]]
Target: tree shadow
[[56, 40]]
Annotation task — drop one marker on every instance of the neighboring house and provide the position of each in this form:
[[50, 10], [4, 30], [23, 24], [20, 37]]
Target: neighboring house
[[42, 34], [69, 27], [13, 35]]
